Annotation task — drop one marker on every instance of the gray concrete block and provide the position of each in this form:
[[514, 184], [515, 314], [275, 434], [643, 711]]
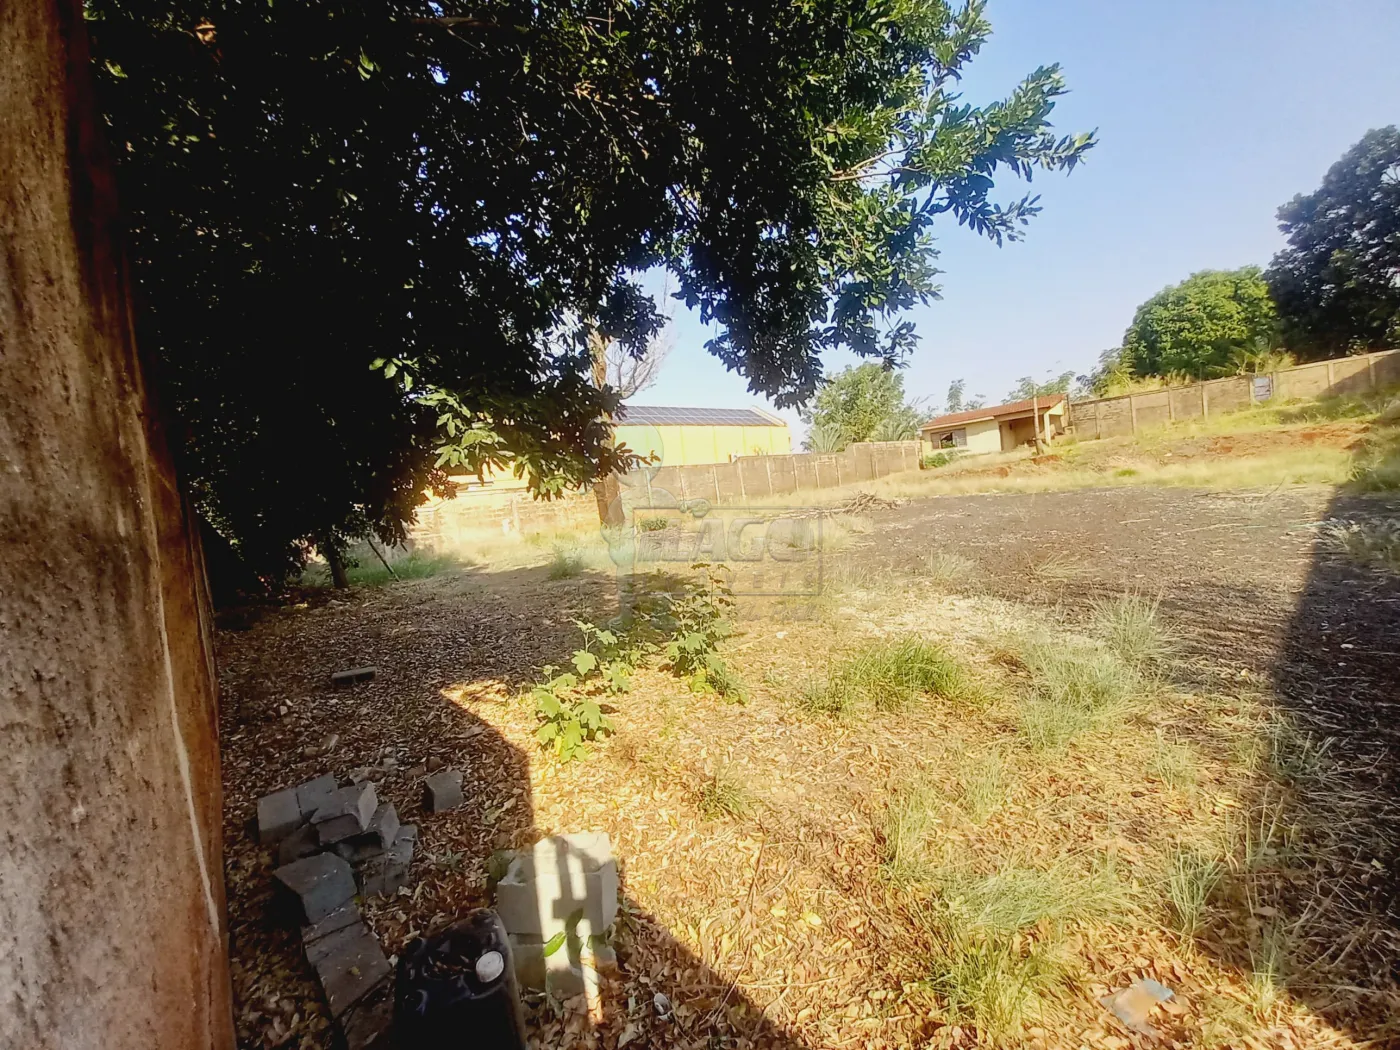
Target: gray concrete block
[[346, 915], [349, 963], [442, 791], [383, 830], [564, 972], [314, 794], [368, 1025], [566, 883], [347, 813], [322, 883], [278, 816], [353, 676], [383, 874], [301, 843]]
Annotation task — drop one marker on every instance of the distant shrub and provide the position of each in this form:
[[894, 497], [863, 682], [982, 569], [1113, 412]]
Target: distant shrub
[[565, 563], [657, 524], [934, 460]]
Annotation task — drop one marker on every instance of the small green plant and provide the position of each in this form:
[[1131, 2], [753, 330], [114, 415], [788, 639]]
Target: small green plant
[[568, 719], [565, 562], [891, 675], [1268, 966], [1125, 472], [695, 623], [723, 795], [1130, 626], [1191, 878], [656, 524], [1295, 756]]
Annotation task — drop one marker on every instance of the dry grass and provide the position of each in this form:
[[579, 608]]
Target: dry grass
[[1375, 543], [933, 873]]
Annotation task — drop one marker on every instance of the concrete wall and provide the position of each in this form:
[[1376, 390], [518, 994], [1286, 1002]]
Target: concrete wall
[[681, 445], [112, 931], [984, 436], [1129, 413], [457, 524]]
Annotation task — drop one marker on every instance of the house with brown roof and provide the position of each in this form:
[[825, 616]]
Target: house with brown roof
[[998, 428]]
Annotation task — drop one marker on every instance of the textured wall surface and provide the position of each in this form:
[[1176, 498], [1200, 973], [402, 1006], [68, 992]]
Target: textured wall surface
[[112, 927]]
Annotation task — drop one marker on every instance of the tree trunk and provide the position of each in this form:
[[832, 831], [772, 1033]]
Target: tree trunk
[[339, 577], [606, 490], [112, 930]]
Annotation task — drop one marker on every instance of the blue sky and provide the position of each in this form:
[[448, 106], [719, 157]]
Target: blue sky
[[1211, 114]]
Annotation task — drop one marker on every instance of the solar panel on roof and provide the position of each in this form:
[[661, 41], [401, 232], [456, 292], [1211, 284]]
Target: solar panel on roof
[[664, 415]]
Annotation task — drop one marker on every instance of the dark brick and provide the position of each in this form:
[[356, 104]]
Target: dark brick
[[349, 963], [346, 915], [442, 791], [314, 794], [384, 874], [278, 816], [301, 843], [354, 675], [322, 883], [348, 813]]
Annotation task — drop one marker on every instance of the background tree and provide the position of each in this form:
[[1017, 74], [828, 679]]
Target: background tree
[[861, 402], [1337, 284], [461, 197], [957, 401], [824, 439], [1027, 387], [1196, 328], [629, 373]]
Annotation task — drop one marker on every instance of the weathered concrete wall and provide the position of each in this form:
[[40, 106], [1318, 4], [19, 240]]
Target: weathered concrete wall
[[1128, 413], [111, 893], [457, 524]]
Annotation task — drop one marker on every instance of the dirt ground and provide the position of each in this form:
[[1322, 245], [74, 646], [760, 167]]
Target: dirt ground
[[1239, 573], [775, 930]]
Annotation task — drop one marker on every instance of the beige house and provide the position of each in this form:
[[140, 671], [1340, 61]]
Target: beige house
[[998, 428]]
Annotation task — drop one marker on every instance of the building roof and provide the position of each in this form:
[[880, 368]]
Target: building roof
[[1014, 408], [662, 416]]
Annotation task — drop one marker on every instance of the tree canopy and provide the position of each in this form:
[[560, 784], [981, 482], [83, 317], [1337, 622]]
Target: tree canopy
[[1337, 284], [957, 399], [1200, 327], [372, 239], [861, 403], [1028, 387]]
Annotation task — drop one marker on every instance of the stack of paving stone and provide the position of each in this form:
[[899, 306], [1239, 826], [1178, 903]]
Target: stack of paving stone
[[334, 842], [557, 901]]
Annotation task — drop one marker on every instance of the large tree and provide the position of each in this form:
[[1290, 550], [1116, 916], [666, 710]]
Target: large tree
[[1201, 327], [861, 403], [462, 195], [1337, 284]]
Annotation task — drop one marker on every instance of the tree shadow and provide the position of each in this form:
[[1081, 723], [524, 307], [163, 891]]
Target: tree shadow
[[438, 673]]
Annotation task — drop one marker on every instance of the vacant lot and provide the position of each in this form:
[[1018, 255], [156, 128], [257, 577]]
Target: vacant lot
[[974, 788]]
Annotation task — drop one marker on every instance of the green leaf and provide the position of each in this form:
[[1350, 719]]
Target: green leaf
[[584, 661], [554, 943]]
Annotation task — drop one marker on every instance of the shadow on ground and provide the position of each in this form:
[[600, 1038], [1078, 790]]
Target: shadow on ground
[[282, 724]]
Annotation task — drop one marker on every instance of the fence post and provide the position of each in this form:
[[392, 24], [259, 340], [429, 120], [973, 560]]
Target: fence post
[[1331, 374], [1370, 371], [714, 476], [1205, 403], [1132, 412]]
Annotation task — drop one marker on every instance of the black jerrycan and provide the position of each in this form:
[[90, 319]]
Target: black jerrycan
[[456, 989]]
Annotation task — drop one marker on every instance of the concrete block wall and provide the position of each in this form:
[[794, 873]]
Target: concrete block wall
[[1128, 413]]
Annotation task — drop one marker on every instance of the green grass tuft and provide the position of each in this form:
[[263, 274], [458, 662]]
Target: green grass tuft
[[890, 675], [723, 795], [947, 571], [1130, 627], [996, 983], [1076, 688], [1191, 878]]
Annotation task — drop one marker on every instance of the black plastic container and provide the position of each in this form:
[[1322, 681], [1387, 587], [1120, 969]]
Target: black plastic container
[[452, 992]]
